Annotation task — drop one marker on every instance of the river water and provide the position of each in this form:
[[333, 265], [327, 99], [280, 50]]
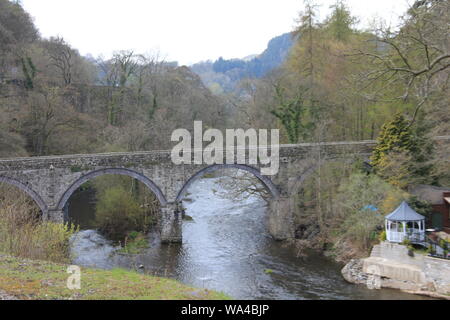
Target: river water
[[226, 248]]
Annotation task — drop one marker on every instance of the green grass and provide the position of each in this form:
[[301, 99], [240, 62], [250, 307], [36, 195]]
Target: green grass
[[40, 280]]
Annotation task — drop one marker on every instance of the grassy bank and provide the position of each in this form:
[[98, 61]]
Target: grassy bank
[[40, 280]]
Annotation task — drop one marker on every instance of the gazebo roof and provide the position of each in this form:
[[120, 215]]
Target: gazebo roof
[[404, 213]]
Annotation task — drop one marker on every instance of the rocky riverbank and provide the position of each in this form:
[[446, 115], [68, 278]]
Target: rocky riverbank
[[391, 266]]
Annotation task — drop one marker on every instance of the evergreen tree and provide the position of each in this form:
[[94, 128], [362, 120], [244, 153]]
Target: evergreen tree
[[340, 22], [402, 155], [307, 30], [394, 135]]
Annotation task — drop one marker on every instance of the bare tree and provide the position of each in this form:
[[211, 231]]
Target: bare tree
[[116, 74], [242, 185], [415, 58], [61, 57], [47, 114], [148, 70]]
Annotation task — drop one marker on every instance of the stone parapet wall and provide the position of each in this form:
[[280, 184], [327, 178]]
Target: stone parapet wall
[[287, 153], [396, 252]]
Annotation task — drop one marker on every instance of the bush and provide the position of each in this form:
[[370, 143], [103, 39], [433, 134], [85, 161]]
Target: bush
[[406, 242], [382, 236], [120, 211], [134, 243], [24, 234], [443, 244], [116, 212], [360, 226], [430, 249], [133, 235]]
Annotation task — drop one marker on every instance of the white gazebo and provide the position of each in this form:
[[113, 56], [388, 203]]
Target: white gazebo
[[405, 224]]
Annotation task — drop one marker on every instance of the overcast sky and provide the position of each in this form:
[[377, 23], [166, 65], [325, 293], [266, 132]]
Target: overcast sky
[[187, 31]]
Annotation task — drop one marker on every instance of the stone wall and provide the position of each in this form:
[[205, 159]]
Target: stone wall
[[396, 252], [438, 271], [394, 268]]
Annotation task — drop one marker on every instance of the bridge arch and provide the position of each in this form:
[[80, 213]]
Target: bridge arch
[[265, 180], [28, 190], [114, 171]]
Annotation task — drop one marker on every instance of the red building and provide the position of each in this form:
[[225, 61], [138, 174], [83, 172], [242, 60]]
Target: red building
[[441, 213]]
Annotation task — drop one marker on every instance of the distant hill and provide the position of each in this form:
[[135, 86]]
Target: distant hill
[[223, 75]]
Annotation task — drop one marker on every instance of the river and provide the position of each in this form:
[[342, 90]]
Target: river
[[226, 248]]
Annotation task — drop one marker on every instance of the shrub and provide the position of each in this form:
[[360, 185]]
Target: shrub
[[134, 243], [133, 235], [118, 212], [406, 242], [53, 239], [24, 234], [359, 227], [382, 236], [430, 249]]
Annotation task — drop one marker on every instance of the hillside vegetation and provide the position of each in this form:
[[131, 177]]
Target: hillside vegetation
[[54, 101], [328, 81]]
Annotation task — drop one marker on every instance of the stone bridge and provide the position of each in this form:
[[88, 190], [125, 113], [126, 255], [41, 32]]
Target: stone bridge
[[50, 181]]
